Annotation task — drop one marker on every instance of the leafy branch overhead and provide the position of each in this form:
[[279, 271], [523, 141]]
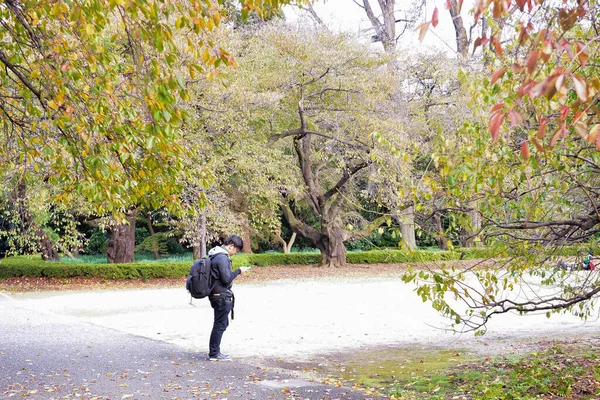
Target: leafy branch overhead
[[90, 93]]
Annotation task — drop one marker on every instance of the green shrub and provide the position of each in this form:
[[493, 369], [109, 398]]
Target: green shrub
[[156, 242], [173, 246], [162, 242], [473, 253], [22, 267], [35, 267], [283, 259], [396, 256], [97, 243], [140, 235]]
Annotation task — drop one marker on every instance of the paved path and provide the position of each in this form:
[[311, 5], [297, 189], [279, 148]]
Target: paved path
[[152, 343], [44, 355]]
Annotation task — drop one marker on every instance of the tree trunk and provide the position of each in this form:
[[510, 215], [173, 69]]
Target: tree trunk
[[246, 234], [475, 227], [386, 31], [151, 231], [199, 250], [333, 251], [40, 241], [46, 246], [441, 238], [462, 41], [286, 246], [407, 227], [121, 241]]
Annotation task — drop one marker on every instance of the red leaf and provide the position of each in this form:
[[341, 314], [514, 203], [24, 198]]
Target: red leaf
[[532, 61], [497, 45], [564, 112], [476, 44], [538, 145], [435, 18], [516, 68], [496, 107], [523, 34], [547, 47], [582, 53], [542, 129], [538, 89], [423, 30], [597, 142], [551, 88], [498, 74], [515, 118], [577, 116], [555, 138], [525, 150], [448, 5], [494, 124]]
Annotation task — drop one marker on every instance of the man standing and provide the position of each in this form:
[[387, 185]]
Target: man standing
[[221, 297]]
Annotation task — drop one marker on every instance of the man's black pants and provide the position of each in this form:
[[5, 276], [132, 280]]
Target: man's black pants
[[222, 306]]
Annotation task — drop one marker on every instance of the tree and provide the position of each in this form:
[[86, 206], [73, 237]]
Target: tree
[[32, 223], [91, 92], [325, 102], [535, 201]]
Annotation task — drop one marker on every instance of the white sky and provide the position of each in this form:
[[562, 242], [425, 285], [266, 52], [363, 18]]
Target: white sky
[[346, 15]]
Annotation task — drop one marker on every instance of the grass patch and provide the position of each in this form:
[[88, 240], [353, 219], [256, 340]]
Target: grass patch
[[560, 370], [139, 257]]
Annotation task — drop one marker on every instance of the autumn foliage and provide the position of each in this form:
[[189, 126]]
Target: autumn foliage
[[543, 57]]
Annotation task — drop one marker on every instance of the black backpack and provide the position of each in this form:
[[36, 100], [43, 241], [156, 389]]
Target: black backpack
[[200, 280]]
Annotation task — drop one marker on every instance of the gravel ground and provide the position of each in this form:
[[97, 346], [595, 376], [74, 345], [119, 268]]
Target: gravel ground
[[291, 313]]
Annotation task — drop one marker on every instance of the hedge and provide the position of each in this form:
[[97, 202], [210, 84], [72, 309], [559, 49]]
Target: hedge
[[34, 267]]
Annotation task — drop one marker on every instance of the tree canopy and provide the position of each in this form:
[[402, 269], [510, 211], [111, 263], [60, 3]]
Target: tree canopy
[[90, 93], [542, 89]]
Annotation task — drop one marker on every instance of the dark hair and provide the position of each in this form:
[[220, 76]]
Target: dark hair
[[234, 240]]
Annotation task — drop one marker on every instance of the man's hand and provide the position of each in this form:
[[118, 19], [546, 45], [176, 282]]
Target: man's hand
[[245, 269]]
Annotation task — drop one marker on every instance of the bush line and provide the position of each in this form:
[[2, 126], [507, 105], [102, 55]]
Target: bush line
[[34, 267]]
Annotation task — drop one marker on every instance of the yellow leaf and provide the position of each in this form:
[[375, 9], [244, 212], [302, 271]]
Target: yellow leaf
[[593, 133], [580, 88], [423, 28], [89, 29]]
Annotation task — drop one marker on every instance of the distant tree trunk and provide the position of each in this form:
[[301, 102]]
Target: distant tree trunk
[[151, 231], [329, 240], [46, 246], [407, 227], [203, 236], [386, 30], [121, 241], [39, 239], [286, 246], [475, 227], [199, 249], [333, 251], [462, 41], [246, 234], [441, 238]]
